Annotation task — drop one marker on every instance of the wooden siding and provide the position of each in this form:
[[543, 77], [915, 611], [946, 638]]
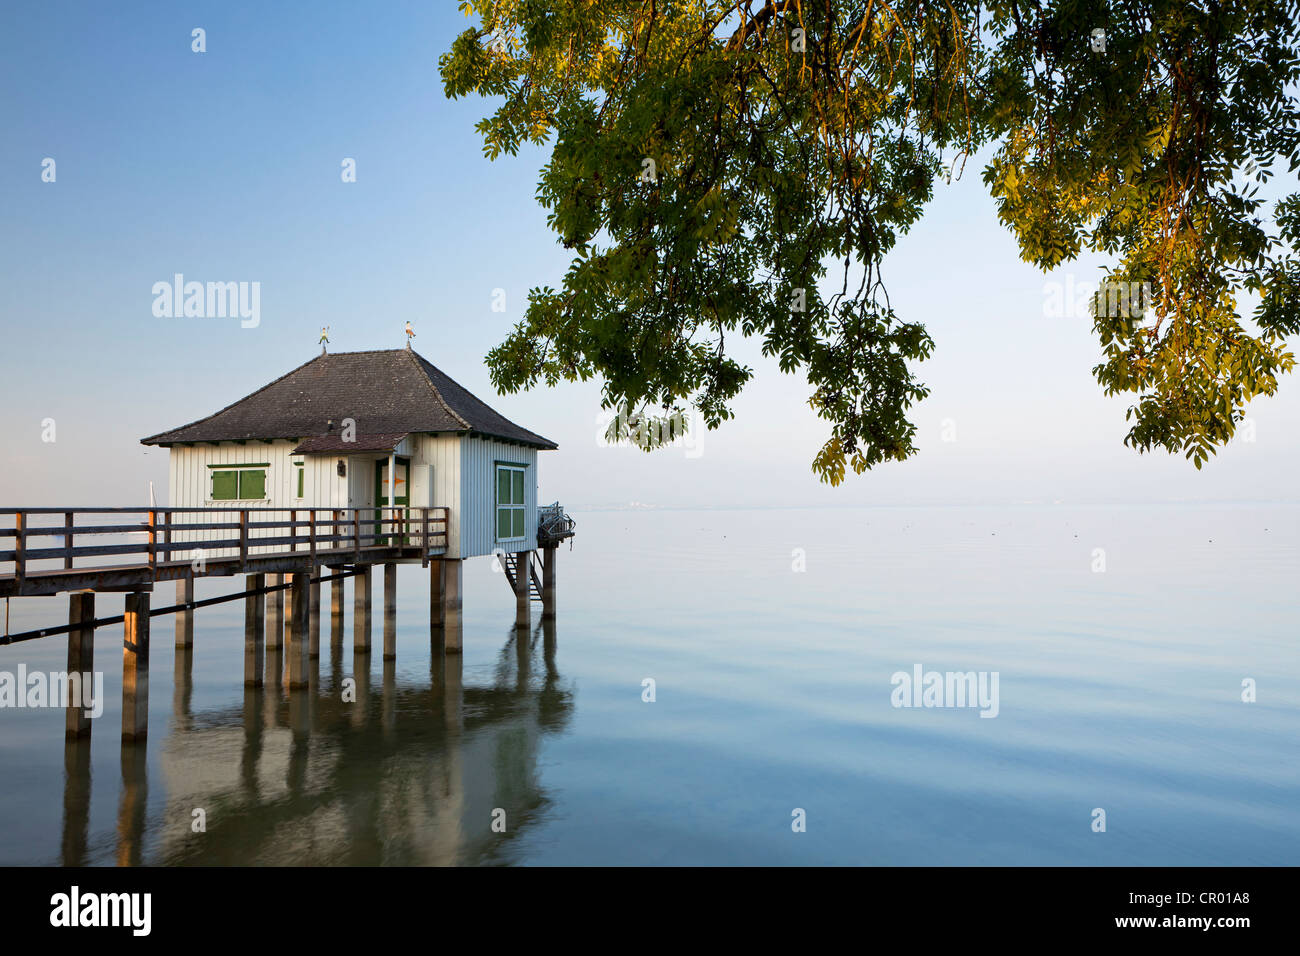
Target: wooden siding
[[478, 495], [441, 455], [189, 483]]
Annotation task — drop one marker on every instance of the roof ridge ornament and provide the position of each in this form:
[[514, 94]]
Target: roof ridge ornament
[[410, 334], [324, 338]]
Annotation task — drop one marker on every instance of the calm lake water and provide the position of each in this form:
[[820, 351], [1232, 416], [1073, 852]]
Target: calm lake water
[[1118, 689]]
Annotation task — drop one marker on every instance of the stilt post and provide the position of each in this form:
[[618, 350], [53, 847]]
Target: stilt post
[[254, 630], [336, 610], [274, 612], [361, 610], [81, 660], [451, 604], [135, 668], [437, 598], [298, 638], [548, 583], [523, 580], [390, 612], [313, 617], [185, 618]]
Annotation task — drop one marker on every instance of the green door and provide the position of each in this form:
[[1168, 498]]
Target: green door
[[401, 495]]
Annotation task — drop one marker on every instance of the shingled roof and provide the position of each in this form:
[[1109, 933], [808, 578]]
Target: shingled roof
[[387, 392]]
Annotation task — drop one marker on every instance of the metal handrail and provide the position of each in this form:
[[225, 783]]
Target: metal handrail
[[553, 523]]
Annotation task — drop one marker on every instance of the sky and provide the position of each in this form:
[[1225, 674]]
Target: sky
[[226, 165]]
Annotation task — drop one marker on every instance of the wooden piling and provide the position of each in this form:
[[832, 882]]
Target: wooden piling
[[274, 612], [451, 605], [361, 610], [437, 599], [336, 611], [313, 619], [523, 578], [81, 660], [185, 619], [548, 583], [390, 612], [254, 630], [298, 638], [135, 668]]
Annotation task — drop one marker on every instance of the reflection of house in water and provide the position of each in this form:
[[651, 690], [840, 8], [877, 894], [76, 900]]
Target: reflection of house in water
[[410, 773]]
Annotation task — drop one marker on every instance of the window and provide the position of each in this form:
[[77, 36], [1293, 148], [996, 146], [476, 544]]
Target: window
[[239, 482], [301, 482], [510, 502]]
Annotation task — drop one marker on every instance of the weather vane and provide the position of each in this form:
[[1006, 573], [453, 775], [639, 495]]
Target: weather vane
[[324, 337], [410, 333]]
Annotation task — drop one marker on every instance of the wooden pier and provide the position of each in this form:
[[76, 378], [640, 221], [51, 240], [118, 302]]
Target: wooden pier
[[83, 551]]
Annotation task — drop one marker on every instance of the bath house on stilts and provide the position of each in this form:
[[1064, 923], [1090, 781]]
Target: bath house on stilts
[[396, 461], [353, 460]]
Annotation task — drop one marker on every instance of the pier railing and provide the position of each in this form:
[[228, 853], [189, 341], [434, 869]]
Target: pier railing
[[40, 540]]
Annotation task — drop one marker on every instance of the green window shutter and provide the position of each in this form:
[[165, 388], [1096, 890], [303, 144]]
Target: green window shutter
[[503, 523], [518, 528], [301, 480], [503, 486], [252, 484], [225, 485], [519, 487]]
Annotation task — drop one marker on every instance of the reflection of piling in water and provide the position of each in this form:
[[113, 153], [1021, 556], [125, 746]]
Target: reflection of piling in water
[[182, 685], [299, 746], [336, 664], [132, 807], [453, 692], [361, 676], [76, 800], [435, 761], [523, 658], [554, 705], [548, 648], [390, 696], [411, 778], [274, 683], [251, 752]]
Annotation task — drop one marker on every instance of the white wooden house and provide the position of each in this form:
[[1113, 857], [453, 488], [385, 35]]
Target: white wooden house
[[329, 433]]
